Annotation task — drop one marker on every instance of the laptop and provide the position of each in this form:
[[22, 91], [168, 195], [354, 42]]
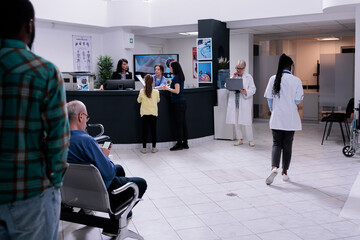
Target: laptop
[[234, 84]]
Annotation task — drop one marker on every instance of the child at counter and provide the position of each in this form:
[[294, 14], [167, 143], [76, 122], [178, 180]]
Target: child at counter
[[149, 99]]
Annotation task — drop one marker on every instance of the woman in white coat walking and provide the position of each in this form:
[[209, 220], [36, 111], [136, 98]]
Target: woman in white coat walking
[[240, 104], [283, 92]]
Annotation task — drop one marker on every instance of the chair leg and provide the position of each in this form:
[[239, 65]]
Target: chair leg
[[342, 133], [329, 130], [324, 133], [126, 233]]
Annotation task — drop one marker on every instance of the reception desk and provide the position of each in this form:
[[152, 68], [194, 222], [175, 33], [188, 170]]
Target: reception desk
[[119, 112]]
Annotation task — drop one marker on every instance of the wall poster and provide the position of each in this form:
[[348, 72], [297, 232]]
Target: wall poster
[[194, 62], [205, 72], [82, 53], [204, 49]]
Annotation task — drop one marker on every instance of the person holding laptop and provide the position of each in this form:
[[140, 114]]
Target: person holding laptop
[[240, 104]]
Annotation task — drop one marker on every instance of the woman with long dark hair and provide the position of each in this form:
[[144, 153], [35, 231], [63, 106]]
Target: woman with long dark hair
[[283, 92], [149, 98], [122, 70], [178, 105]]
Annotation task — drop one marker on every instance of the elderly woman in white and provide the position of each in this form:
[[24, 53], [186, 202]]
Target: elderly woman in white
[[240, 104]]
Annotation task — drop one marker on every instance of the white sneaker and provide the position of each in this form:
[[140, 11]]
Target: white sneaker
[[154, 150], [238, 142], [143, 150], [252, 144], [285, 178], [271, 177]]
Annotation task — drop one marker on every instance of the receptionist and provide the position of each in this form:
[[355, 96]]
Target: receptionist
[[122, 70], [159, 79]]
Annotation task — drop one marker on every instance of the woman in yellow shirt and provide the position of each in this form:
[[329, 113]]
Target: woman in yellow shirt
[[149, 98]]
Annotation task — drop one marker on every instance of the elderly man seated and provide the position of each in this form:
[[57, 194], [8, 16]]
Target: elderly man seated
[[84, 149]]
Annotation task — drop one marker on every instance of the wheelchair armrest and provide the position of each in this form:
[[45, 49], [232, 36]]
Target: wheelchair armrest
[[102, 138]]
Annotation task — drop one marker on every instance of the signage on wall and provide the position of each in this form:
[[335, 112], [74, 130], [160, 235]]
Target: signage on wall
[[82, 53], [194, 62]]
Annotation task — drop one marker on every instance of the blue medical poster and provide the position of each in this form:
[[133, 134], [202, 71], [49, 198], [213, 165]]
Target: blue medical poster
[[205, 72], [204, 49]]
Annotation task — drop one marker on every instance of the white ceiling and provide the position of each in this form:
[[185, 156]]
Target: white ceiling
[[312, 25]]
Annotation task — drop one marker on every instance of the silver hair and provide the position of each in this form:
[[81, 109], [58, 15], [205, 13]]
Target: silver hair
[[241, 63], [74, 108]]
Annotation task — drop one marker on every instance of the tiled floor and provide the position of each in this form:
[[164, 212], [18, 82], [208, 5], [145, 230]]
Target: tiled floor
[[217, 191]]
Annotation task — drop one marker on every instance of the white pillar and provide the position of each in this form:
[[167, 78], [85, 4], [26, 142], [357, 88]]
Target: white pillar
[[357, 55], [242, 47]]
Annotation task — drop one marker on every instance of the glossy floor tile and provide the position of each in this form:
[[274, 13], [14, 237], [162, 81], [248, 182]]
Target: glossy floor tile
[[217, 191]]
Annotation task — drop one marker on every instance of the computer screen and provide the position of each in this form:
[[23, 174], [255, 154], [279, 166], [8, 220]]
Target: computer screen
[[117, 84], [144, 63]]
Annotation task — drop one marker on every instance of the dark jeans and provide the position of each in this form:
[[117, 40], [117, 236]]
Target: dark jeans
[[179, 110], [121, 180], [282, 141], [148, 122]]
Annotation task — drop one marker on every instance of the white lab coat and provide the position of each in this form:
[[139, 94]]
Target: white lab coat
[[245, 103], [285, 115]]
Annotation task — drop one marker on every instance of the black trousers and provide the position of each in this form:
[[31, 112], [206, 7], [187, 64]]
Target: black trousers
[[148, 122], [282, 142], [121, 180], [179, 110]]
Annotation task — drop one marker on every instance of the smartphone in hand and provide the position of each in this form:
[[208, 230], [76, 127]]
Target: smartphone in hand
[[106, 145]]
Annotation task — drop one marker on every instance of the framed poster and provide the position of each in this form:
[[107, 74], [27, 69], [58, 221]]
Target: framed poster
[[82, 54], [194, 62], [205, 72], [82, 83], [204, 49]]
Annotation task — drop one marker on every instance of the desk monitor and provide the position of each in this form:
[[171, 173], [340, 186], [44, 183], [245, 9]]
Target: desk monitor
[[117, 84]]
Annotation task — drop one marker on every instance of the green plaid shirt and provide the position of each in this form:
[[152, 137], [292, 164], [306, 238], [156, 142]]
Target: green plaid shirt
[[34, 129]]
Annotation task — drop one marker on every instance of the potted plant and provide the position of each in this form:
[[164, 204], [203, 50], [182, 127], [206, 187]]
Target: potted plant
[[105, 65], [223, 72]]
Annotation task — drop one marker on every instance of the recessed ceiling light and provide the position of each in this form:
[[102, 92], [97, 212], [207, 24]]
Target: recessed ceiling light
[[328, 39], [189, 33]]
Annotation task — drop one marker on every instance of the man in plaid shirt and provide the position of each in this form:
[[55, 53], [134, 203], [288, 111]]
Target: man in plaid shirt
[[34, 130]]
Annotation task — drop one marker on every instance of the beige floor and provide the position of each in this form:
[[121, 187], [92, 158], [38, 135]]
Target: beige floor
[[217, 191]]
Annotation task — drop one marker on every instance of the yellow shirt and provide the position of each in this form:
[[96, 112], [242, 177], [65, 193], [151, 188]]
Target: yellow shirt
[[148, 105]]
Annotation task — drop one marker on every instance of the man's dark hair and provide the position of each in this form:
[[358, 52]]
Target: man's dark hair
[[13, 15]]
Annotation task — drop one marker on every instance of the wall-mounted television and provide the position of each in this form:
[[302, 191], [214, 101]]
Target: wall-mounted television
[[144, 63]]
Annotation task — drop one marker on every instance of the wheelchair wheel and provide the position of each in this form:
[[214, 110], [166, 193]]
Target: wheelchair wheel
[[348, 151]]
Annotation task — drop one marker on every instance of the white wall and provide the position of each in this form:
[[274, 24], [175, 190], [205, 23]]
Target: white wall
[[241, 47], [54, 43], [184, 48]]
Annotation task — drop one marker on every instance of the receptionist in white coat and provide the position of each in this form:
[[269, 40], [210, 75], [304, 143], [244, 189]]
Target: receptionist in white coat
[[240, 104], [283, 92]]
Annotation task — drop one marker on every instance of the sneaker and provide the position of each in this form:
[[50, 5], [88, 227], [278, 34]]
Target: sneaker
[[176, 147], [87, 212], [154, 150], [143, 150], [109, 234], [185, 145], [238, 142], [252, 144], [271, 177], [285, 178]]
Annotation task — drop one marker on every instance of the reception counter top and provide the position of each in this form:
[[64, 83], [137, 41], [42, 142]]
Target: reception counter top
[[119, 112]]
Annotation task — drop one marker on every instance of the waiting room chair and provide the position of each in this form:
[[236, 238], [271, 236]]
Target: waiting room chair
[[341, 118], [83, 187], [100, 138]]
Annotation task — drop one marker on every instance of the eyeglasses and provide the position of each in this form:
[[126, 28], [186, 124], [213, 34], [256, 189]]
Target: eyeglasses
[[238, 68], [87, 117]]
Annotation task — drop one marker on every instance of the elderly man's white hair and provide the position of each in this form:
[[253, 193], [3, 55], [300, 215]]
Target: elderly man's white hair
[[74, 108], [241, 64]]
